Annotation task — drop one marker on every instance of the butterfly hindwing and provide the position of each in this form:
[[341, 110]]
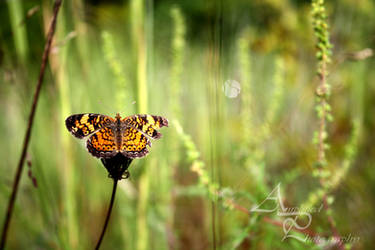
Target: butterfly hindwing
[[81, 125], [134, 143], [102, 143]]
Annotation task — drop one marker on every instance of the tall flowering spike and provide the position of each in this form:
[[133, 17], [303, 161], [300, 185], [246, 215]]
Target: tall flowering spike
[[323, 45], [323, 55]]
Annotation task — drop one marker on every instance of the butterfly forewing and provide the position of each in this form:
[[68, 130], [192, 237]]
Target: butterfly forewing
[[147, 124], [82, 125]]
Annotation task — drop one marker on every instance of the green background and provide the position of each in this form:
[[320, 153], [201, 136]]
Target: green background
[[219, 154]]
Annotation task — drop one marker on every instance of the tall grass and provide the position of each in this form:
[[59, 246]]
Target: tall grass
[[139, 34], [26, 142], [19, 29]]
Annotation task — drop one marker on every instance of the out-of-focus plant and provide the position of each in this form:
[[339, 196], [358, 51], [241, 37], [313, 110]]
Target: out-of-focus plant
[[117, 68], [178, 55]]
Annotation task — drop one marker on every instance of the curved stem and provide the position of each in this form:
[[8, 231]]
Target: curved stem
[[21, 162], [108, 213]]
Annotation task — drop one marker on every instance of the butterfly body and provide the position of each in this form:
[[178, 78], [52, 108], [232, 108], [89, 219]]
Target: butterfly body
[[109, 136]]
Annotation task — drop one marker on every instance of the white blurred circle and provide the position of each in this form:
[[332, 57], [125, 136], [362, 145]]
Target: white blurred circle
[[231, 88]]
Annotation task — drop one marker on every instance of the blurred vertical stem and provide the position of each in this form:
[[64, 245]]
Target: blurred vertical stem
[[243, 44], [18, 30], [276, 98], [47, 47], [215, 102], [253, 149], [178, 56], [116, 67], [68, 231], [82, 40], [139, 45], [178, 48]]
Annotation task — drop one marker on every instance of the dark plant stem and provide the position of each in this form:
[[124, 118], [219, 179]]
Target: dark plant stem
[[21, 162], [108, 213]]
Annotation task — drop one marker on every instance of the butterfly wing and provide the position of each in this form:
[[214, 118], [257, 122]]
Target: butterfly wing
[[81, 125], [146, 124], [135, 132], [134, 143], [102, 143]]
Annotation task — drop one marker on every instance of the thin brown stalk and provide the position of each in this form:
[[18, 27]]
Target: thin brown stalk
[[330, 218], [108, 213], [322, 89], [21, 162]]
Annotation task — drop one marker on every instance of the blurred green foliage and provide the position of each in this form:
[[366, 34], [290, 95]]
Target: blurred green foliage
[[223, 151]]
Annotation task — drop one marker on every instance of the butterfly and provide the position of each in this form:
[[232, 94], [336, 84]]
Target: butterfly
[[109, 136]]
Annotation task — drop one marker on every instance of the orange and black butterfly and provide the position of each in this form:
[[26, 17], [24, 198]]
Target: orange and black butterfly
[[109, 136]]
